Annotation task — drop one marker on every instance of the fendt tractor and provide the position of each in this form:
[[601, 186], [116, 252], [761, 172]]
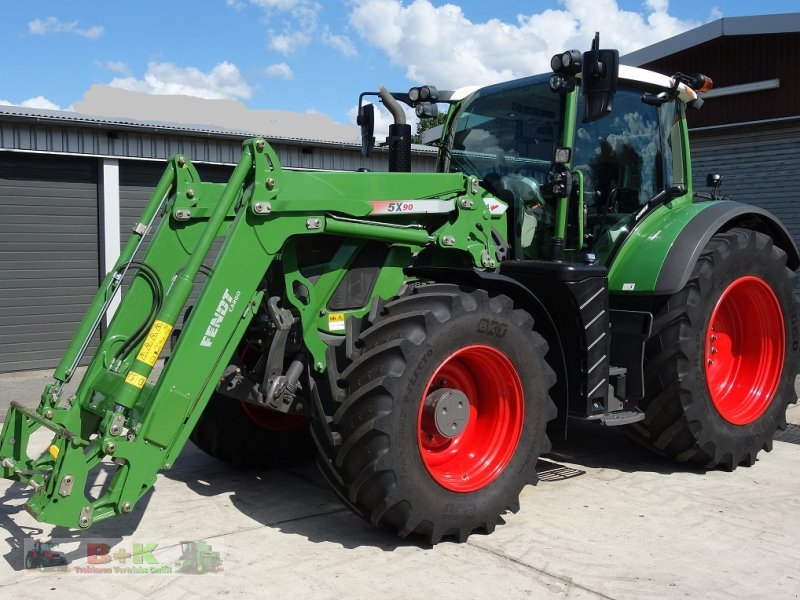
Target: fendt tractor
[[427, 334]]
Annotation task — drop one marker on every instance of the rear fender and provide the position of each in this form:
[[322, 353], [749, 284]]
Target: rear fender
[[659, 255]]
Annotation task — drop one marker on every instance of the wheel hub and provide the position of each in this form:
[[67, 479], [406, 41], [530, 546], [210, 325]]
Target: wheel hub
[[468, 445], [448, 409]]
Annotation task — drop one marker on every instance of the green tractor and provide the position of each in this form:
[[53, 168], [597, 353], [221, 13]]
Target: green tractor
[[426, 334], [198, 557]]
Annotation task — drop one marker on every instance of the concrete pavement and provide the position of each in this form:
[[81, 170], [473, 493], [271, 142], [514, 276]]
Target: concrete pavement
[[608, 520]]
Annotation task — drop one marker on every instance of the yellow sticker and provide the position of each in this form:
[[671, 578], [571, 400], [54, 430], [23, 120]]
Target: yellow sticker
[[336, 322], [154, 342], [136, 380], [53, 450]]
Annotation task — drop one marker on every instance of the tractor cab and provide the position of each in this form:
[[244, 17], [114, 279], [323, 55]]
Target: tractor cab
[[508, 134]]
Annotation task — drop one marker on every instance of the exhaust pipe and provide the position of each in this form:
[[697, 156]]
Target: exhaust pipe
[[399, 139]]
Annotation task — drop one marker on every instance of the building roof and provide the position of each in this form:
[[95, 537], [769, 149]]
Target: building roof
[[727, 26], [53, 116], [56, 117]]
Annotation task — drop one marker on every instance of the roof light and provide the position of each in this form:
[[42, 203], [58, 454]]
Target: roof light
[[569, 62], [698, 82], [562, 83], [428, 93], [707, 84]]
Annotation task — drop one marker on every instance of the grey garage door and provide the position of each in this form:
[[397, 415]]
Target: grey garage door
[[137, 179], [49, 265], [759, 165]]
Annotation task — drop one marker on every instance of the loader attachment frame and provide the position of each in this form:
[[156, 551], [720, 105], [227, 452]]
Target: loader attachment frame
[[111, 437]]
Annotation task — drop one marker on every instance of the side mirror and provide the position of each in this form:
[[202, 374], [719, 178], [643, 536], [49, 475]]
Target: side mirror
[[600, 73], [366, 119]]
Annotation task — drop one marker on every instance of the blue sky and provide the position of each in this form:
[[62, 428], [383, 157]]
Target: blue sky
[[314, 55]]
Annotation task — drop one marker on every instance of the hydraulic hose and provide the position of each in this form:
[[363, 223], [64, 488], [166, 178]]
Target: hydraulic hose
[[150, 276]]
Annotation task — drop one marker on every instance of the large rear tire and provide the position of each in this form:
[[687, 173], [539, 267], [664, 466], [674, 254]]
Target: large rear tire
[[722, 359], [248, 436], [401, 464]]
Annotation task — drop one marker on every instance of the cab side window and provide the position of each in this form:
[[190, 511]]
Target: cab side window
[[622, 162]]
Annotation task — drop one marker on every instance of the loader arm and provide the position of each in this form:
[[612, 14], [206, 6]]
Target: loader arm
[[121, 429]]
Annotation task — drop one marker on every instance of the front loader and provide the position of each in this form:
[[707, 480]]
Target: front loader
[[426, 333]]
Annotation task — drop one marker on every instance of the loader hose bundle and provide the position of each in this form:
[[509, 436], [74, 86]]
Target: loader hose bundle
[[150, 276]]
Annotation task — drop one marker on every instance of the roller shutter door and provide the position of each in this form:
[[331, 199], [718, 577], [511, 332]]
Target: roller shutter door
[[759, 166], [49, 255], [137, 180]]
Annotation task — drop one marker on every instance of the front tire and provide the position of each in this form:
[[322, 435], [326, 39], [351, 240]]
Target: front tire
[[401, 463], [721, 363]]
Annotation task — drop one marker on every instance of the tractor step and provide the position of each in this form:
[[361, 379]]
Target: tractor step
[[623, 417]]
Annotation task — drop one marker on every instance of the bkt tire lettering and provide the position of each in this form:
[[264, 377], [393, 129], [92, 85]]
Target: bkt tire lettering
[[495, 328]]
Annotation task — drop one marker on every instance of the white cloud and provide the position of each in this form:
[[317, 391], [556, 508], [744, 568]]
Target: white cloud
[[281, 70], [40, 102], [295, 24], [281, 4], [411, 36], [299, 22], [339, 42], [53, 25], [35, 102], [115, 66], [289, 42], [224, 81]]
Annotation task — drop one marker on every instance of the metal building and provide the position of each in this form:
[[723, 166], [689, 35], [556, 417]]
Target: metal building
[[748, 130], [72, 186]]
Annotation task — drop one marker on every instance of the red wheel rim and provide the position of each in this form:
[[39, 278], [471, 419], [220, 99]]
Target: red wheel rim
[[475, 457], [744, 350], [272, 420]]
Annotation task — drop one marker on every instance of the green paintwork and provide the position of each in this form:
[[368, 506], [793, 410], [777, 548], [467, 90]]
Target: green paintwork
[[567, 141], [642, 255], [267, 218], [263, 213], [637, 265]]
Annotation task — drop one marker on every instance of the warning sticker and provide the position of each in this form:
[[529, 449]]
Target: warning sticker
[[154, 342], [336, 322], [136, 380]]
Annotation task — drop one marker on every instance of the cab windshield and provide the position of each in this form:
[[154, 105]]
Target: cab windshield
[[506, 132], [506, 135]]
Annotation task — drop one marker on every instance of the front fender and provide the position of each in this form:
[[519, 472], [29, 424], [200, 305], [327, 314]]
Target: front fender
[[660, 253]]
